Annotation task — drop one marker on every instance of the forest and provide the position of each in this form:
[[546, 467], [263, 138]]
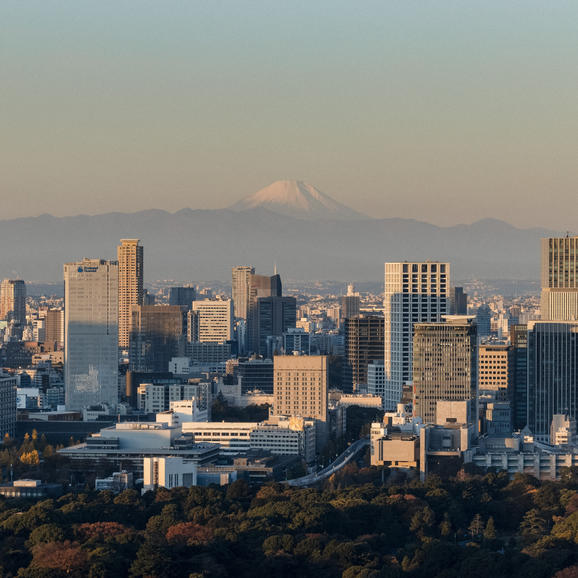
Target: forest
[[352, 526]]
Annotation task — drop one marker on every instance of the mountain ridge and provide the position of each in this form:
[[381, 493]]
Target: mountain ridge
[[205, 244]]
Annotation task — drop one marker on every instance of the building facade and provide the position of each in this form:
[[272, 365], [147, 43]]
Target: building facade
[[414, 293], [91, 333], [130, 285], [363, 344], [444, 364], [210, 322], [560, 279], [241, 284], [300, 386], [13, 301], [552, 374]]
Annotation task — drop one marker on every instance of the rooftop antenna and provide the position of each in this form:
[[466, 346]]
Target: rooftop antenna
[[274, 267]]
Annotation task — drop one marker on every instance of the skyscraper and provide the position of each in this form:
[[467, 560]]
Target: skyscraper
[[444, 364], [363, 345], [130, 285], [157, 334], [414, 293], [519, 396], [560, 279], [274, 316], [552, 374], [91, 333], [13, 301], [259, 286], [241, 289]]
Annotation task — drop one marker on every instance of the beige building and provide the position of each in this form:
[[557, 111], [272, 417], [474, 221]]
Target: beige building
[[494, 369], [560, 279], [130, 285], [13, 300], [210, 321], [300, 385], [241, 282]]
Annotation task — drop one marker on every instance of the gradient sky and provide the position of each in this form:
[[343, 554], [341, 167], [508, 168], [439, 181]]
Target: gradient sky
[[446, 111]]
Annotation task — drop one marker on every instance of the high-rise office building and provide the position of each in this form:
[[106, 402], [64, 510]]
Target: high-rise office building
[[130, 285], [296, 339], [444, 364], [157, 334], [300, 386], [210, 321], [241, 278], [552, 374], [519, 395], [560, 279], [13, 301], [182, 296], [350, 303], [274, 317], [414, 293], [91, 333], [363, 345], [260, 286]]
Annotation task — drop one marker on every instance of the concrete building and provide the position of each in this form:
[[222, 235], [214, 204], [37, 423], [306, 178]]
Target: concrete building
[[130, 285], [560, 279], [444, 364], [495, 370], [364, 342], [376, 378], [210, 321], [301, 386], [414, 293], [127, 444], [157, 334], [458, 301], [13, 301], [91, 333], [562, 430], [552, 374]]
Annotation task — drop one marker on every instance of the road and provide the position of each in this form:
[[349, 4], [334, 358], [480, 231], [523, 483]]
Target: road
[[333, 467]]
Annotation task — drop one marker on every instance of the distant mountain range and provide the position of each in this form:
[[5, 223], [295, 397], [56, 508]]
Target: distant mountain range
[[305, 232]]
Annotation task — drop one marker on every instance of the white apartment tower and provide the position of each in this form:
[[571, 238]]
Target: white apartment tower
[[414, 293], [210, 321], [560, 279], [241, 289], [91, 333], [130, 285]]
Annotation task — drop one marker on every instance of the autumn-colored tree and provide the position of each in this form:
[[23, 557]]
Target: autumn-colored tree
[[101, 531], [189, 534], [30, 458], [68, 557]]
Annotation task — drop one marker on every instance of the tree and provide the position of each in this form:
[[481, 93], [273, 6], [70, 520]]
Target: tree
[[476, 526], [68, 557], [490, 530]]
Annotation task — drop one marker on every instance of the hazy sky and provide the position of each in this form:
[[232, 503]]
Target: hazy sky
[[446, 111]]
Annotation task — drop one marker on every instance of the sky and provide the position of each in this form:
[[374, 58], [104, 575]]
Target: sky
[[443, 111]]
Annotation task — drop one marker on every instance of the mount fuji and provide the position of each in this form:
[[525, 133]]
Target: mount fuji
[[297, 199]]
